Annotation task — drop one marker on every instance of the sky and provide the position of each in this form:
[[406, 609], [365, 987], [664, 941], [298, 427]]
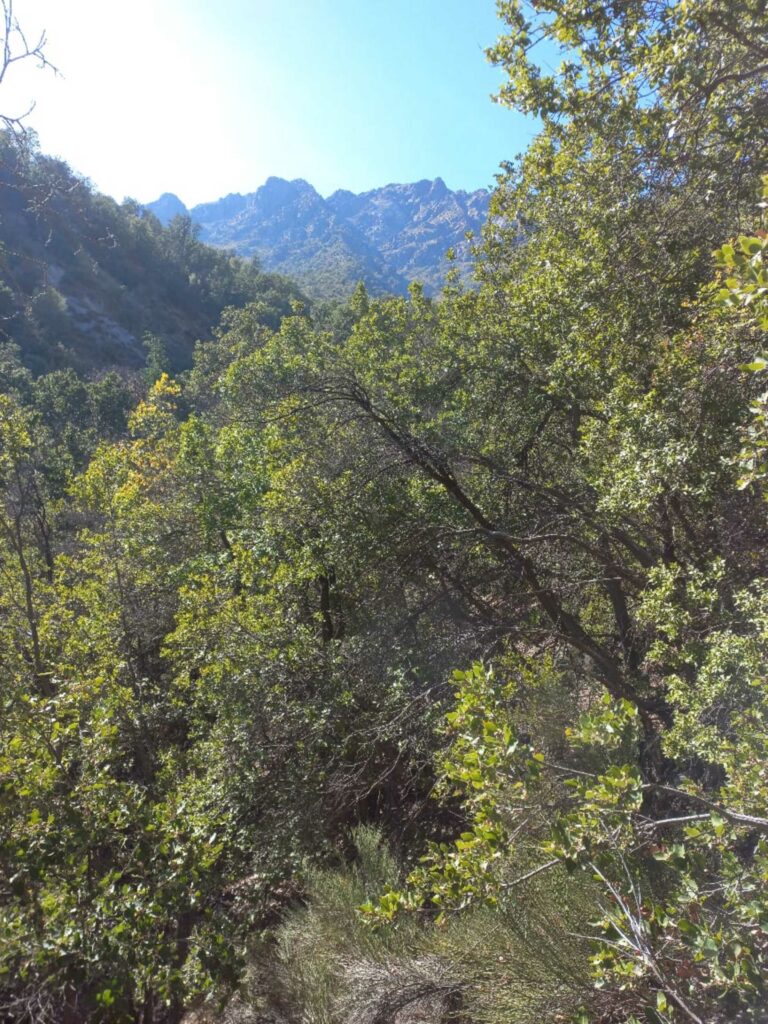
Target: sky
[[206, 97]]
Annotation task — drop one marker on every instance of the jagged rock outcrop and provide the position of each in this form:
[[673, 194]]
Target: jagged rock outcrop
[[386, 237], [167, 207]]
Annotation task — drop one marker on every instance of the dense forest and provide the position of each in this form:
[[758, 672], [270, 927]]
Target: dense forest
[[404, 659]]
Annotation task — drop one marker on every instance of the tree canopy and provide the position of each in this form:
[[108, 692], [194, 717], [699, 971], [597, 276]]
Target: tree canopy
[[408, 657]]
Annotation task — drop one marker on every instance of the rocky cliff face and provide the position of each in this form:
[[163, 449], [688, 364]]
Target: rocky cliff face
[[413, 226], [167, 207], [386, 237]]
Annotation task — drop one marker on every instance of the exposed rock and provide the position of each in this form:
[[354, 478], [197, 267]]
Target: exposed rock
[[167, 207], [386, 237]]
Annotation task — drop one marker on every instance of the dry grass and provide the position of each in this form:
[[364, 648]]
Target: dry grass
[[515, 965]]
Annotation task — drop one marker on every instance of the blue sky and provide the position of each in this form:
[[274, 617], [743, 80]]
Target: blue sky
[[203, 98]]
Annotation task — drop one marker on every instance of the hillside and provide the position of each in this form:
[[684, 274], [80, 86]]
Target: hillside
[[82, 278], [387, 237]]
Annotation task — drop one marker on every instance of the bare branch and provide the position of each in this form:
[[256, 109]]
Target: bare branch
[[14, 48], [531, 874], [735, 817]]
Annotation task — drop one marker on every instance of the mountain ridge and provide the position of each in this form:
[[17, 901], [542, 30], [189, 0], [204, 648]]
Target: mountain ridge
[[386, 237]]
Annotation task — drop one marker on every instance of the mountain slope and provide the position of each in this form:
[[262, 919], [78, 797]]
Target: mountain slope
[[386, 237], [82, 279]]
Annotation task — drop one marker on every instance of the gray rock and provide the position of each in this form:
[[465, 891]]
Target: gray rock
[[167, 207], [386, 237]]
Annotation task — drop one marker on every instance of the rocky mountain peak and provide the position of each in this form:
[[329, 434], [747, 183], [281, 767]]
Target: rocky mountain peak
[[283, 190], [167, 207], [385, 237]]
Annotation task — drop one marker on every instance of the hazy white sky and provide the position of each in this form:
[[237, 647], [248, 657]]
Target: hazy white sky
[[204, 98]]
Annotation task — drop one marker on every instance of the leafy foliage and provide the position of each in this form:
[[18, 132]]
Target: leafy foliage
[[487, 573]]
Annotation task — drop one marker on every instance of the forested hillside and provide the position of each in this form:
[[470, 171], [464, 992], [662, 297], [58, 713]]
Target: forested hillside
[[386, 238], [405, 660], [83, 279]]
